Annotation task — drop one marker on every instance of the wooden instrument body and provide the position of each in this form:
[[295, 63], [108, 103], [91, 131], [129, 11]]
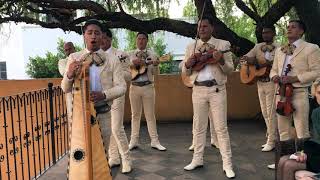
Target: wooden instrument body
[[137, 70], [250, 73], [285, 106], [85, 136], [208, 59], [141, 69], [201, 64]]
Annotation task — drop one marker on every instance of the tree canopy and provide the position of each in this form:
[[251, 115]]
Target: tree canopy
[[152, 15]]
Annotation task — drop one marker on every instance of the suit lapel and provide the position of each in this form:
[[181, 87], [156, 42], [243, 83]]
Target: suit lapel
[[104, 65], [299, 49], [101, 69], [281, 61]]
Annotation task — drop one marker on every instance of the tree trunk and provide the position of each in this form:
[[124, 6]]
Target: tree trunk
[[309, 11], [240, 46]]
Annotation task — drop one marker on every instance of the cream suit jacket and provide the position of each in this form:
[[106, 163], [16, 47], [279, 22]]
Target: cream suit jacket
[[305, 64], [111, 76], [125, 63], [62, 64], [258, 54], [220, 72], [152, 70]]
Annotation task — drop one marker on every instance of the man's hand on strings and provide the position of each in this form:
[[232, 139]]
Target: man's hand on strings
[[155, 62], [74, 68], [137, 62], [250, 60], [219, 55], [276, 79], [289, 79], [191, 61]]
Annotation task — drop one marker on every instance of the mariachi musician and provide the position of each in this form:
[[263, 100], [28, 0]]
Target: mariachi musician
[[209, 92], [304, 60], [106, 76], [262, 56], [142, 92], [119, 145]]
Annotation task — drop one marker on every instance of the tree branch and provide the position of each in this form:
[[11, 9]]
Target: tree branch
[[109, 5], [50, 25], [253, 6], [244, 8], [88, 5], [120, 6], [209, 9], [277, 10]]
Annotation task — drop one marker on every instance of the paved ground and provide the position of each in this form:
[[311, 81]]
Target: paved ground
[[149, 164]]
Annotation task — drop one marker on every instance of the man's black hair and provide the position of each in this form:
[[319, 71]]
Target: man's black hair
[[90, 22], [270, 27], [209, 19], [142, 32], [301, 24], [106, 30]]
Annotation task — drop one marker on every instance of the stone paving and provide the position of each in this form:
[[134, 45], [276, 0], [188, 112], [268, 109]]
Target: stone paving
[[149, 164]]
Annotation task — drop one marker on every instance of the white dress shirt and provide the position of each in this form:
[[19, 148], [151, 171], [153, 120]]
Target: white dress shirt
[[268, 56], [95, 82], [205, 74]]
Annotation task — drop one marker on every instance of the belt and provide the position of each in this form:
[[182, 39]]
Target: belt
[[141, 83], [264, 79], [300, 87], [208, 83], [102, 107]]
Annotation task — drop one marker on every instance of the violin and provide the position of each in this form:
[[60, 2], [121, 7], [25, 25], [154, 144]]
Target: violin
[[284, 106], [202, 59]]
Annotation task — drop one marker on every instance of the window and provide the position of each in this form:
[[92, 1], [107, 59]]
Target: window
[[3, 70]]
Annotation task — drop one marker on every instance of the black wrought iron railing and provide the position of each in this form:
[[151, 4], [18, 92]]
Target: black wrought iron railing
[[33, 132]]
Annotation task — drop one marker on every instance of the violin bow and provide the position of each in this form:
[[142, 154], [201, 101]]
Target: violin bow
[[201, 16]]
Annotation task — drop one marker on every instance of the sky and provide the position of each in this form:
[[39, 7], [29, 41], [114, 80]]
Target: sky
[[175, 9]]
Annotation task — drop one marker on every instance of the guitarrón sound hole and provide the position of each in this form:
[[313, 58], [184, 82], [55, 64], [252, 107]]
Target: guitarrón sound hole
[[78, 155], [93, 120]]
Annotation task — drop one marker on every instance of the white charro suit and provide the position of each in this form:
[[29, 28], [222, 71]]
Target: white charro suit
[[143, 96], [266, 90], [213, 99], [112, 83], [118, 138], [62, 65], [305, 64]]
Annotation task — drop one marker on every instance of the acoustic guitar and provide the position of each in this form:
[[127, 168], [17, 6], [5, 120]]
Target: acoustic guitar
[[136, 71], [85, 135], [249, 73]]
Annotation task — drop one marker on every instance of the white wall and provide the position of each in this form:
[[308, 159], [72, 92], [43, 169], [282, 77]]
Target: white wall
[[11, 51]]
